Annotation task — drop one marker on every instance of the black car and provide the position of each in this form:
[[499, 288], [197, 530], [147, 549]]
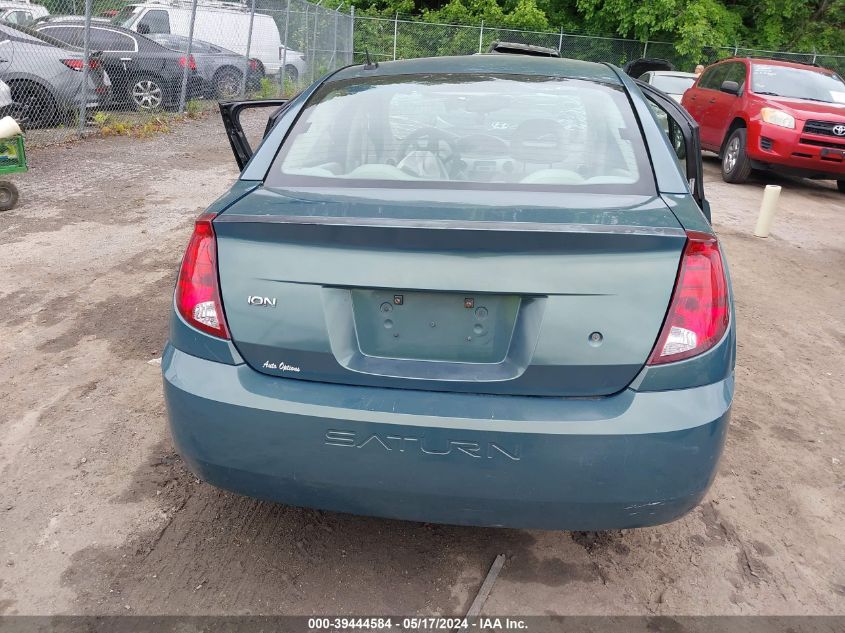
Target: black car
[[144, 74]]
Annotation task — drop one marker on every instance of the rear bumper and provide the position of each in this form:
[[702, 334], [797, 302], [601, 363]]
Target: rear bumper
[[791, 151], [629, 460]]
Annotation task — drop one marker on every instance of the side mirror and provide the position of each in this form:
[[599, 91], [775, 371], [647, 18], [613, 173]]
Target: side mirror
[[144, 28], [731, 87]]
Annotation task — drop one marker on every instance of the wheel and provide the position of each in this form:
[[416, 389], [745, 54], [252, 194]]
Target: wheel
[[227, 83], [8, 195], [36, 104], [840, 184], [146, 93], [291, 73], [736, 167]]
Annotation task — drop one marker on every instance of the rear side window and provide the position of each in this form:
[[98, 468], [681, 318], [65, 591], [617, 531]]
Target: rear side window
[[66, 34], [467, 132], [106, 40]]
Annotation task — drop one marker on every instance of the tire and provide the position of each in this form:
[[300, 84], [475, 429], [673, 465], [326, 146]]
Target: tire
[[291, 73], [736, 166], [37, 105], [8, 195], [840, 184], [227, 83], [146, 93]]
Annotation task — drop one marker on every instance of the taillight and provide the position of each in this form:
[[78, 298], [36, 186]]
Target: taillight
[[78, 64], [253, 64], [699, 313], [197, 290], [189, 61]]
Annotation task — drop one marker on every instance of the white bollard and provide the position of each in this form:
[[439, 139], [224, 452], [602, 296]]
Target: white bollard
[[767, 210]]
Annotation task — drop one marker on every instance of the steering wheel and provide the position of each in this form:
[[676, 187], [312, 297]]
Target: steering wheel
[[416, 142]]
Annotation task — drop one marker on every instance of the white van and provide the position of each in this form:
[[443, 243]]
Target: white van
[[21, 13], [222, 23]]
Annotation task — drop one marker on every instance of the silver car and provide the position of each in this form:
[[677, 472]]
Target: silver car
[[220, 69], [45, 78]]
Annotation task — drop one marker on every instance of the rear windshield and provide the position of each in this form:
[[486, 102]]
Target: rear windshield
[[797, 83], [467, 132], [672, 84]]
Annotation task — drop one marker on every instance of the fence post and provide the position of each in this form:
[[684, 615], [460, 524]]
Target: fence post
[[481, 36], [645, 48], [186, 67], [814, 55], [352, 35], [395, 33], [248, 47], [334, 42], [314, 39], [86, 56], [736, 49], [283, 72], [560, 42]]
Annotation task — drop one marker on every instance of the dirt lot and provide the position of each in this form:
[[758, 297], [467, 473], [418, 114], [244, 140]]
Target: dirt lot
[[99, 516]]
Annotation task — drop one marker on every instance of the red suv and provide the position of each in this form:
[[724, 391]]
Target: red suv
[[771, 114]]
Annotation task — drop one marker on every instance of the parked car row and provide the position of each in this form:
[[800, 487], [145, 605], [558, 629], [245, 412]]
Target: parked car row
[[42, 65], [45, 75], [765, 114], [139, 66]]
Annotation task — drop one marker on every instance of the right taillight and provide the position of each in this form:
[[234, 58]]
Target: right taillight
[[188, 61], [78, 64], [197, 290], [700, 310]]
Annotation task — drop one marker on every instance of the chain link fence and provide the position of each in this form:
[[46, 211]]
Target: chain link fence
[[398, 38], [74, 65], [71, 65]]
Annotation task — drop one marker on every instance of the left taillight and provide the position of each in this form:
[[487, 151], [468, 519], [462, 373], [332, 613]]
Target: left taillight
[[189, 61], [78, 64], [699, 313], [198, 290]]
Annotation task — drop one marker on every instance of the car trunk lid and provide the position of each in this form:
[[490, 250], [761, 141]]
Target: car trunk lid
[[464, 293]]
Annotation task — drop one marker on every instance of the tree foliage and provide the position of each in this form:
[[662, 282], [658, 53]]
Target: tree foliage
[[805, 25]]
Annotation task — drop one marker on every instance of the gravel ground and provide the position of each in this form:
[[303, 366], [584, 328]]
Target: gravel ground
[[99, 516]]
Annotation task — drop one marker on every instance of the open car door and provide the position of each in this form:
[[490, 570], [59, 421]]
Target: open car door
[[682, 131], [231, 113]]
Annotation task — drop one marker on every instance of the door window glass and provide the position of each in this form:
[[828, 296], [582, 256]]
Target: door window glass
[[157, 21], [736, 72], [674, 133], [713, 77], [21, 18]]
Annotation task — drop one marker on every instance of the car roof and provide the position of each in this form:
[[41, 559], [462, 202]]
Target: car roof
[[484, 63], [768, 61], [81, 23]]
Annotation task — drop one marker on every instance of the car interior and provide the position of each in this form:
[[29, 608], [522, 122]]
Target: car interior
[[564, 132]]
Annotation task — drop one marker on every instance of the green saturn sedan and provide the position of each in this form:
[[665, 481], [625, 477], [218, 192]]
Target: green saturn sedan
[[477, 290]]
